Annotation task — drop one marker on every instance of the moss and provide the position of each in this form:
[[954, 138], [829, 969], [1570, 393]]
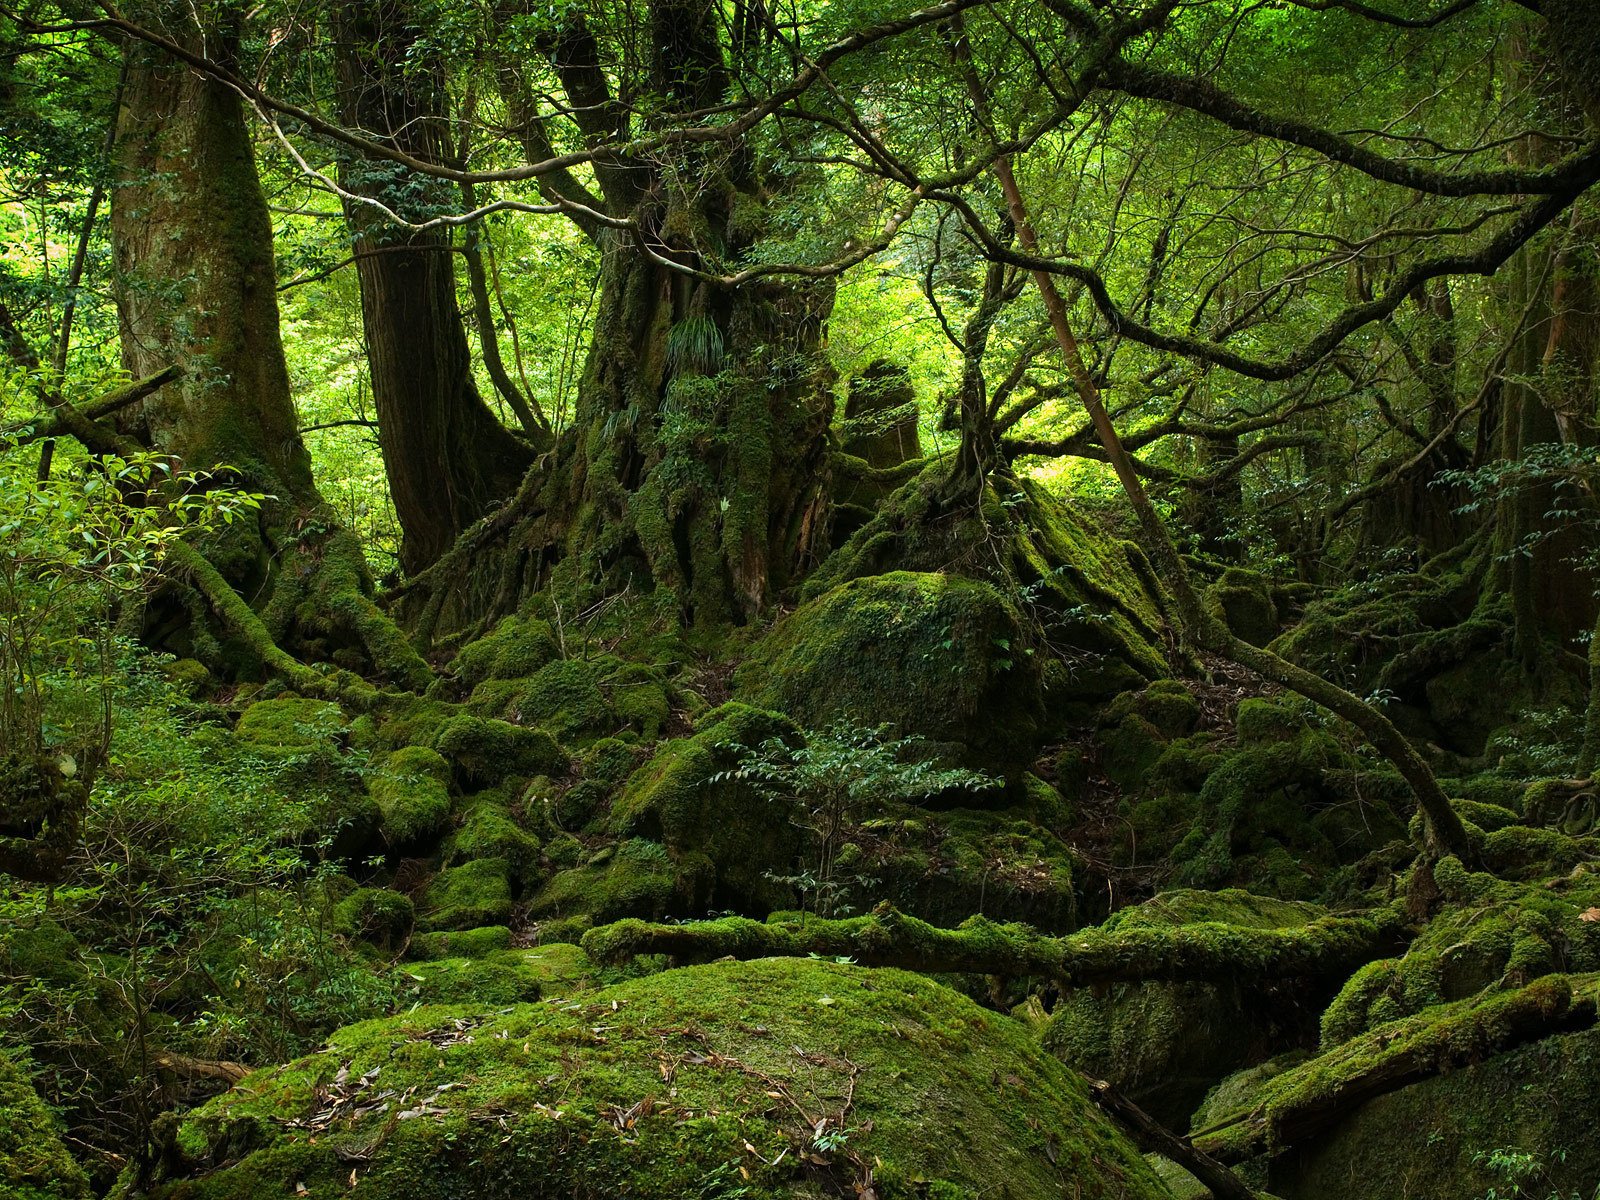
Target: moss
[[1243, 601], [932, 655], [490, 980], [34, 1164], [678, 799], [290, 724], [409, 790], [514, 649], [1166, 704], [1165, 1045], [460, 943], [1537, 1100], [489, 830], [1491, 933], [1260, 722], [578, 699], [474, 894], [664, 1088], [637, 879], [377, 915], [487, 751], [1130, 750]]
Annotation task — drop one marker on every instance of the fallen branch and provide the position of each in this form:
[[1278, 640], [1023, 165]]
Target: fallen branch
[[185, 1067], [1153, 1137], [1330, 947], [1312, 1098]]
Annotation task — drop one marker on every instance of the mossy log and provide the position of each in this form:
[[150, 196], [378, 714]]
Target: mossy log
[[1311, 1099], [1330, 947], [1155, 1138]]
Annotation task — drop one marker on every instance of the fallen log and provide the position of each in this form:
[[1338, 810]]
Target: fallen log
[[1328, 947]]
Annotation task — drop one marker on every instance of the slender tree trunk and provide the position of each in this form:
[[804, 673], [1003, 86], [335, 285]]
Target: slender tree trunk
[[447, 456]]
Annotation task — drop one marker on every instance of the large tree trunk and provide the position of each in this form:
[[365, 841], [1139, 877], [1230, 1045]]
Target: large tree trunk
[[447, 456], [196, 290]]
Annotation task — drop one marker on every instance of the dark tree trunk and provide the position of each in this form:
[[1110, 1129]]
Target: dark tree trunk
[[447, 456], [196, 289]]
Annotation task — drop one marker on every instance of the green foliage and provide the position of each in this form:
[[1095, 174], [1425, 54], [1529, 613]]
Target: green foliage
[[836, 778]]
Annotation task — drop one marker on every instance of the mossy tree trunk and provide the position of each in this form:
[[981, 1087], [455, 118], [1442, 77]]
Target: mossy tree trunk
[[447, 457], [695, 465], [196, 290]]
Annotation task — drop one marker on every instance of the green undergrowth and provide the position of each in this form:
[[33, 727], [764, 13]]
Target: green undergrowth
[[769, 1079], [34, 1164]]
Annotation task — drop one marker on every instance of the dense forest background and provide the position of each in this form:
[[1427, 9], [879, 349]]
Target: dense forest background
[[663, 598]]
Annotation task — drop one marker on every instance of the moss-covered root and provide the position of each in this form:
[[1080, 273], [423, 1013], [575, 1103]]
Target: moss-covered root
[[1330, 947], [1310, 1099], [1155, 1138]]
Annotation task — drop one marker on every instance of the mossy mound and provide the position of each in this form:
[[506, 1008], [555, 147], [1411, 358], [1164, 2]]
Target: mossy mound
[[936, 656], [1490, 934], [376, 915], [580, 699], [475, 894], [1166, 1044], [760, 1080], [34, 1164], [513, 649], [637, 878], [483, 751], [490, 829], [460, 943], [290, 724], [683, 799], [490, 980], [410, 789], [1243, 601]]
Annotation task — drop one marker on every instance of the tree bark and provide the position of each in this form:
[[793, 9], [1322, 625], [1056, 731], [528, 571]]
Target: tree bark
[[447, 456]]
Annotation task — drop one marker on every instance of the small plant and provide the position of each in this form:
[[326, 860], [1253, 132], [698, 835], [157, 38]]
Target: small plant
[[1521, 1175], [831, 780]]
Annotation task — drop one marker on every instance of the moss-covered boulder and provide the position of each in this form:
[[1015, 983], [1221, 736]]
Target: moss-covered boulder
[[780, 1078], [474, 894], [290, 724], [1243, 601], [578, 700], [489, 828], [380, 916], [495, 979], [684, 799], [1519, 1124], [513, 649], [1166, 1044], [34, 1164], [637, 878], [933, 655], [410, 788]]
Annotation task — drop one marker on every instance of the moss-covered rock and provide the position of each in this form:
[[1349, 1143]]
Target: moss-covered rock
[[1166, 1044], [377, 915], [513, 649], [635, 879], [1490, 933], [933, 655], [411, 792], [1520, 1124], [290, 724], [758, 1080], [34, 1164], [490, 980], [1243, 600], [487, 751], [474, 894], [683, 799], [489, 829], [460, 943]]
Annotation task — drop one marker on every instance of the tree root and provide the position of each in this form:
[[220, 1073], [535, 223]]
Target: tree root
[[1155, 1138], [1328, 948], [1310, 1099]]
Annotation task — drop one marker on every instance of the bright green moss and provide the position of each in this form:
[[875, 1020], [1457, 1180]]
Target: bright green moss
[[489, 980], [409, 790], [34, 1164], [514, 649], [689, 1059], [489, 830], [474, 894], [460, 943], [290, 724], [933, 655], [487, 751]]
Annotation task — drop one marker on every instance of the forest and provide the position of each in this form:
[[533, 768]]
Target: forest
[[754, 599]]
